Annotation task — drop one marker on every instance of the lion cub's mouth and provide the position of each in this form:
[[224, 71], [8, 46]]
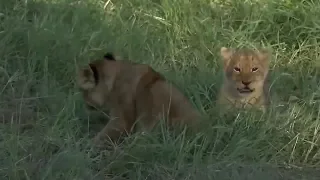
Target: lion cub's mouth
[[245, 90]]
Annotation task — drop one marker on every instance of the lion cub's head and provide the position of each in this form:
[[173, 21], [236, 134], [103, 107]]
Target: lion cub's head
[[245, 70], [95, 81]]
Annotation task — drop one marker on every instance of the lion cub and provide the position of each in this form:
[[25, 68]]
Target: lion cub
[[244, 82], [134, 93]]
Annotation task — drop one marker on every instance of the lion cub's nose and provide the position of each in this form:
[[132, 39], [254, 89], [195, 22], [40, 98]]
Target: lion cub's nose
[[246, 83]]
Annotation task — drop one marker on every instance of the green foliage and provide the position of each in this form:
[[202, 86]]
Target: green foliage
[[42, 43]]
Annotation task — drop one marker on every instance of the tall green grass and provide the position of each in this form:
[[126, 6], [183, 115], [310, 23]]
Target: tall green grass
[[43, 42]]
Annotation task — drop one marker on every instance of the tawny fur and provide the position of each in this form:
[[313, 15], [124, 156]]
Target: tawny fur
[[244, 82], [134, 93]]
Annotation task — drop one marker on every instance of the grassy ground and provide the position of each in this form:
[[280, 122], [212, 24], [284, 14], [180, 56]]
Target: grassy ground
[[43, 41]]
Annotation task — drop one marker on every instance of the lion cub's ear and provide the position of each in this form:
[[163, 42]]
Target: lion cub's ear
[[264, 56], [109, 57], [88, 77], [226, 54]]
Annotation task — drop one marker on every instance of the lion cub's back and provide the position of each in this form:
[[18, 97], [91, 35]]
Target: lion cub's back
[[166, 96]]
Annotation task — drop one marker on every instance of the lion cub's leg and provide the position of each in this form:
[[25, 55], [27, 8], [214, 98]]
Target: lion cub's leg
[[120, 122]]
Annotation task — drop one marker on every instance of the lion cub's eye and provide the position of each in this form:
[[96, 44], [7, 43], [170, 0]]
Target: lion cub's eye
[[254, 69], [236, 69]]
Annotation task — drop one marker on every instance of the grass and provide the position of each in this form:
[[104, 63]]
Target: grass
[[42, 42]]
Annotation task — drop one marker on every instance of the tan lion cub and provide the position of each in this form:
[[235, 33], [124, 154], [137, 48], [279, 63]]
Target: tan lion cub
[[132, 92], [244, 83]]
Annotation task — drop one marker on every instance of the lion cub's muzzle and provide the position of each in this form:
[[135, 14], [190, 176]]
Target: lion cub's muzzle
[[246, 89]]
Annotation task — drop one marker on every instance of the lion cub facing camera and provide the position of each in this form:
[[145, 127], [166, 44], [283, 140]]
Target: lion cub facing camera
[[244, 82], [132, 92]]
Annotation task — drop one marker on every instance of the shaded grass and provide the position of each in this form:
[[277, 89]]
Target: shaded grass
[[43, 42]]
